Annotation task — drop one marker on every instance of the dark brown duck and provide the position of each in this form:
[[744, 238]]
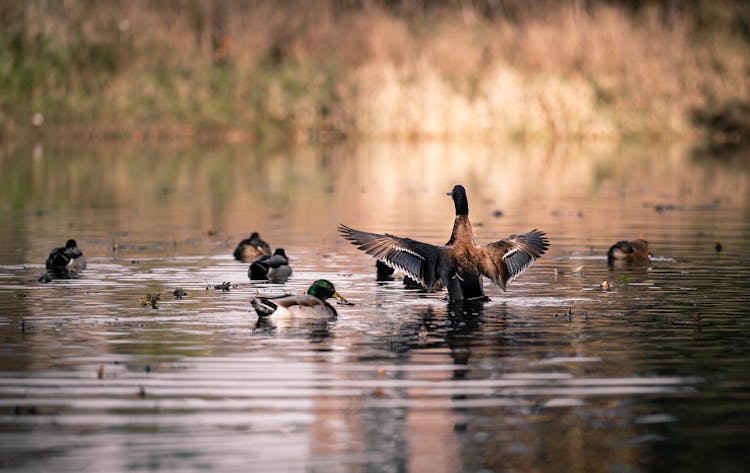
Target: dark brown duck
[[250, 249], [64, 262], [636, 252], [460, 263]]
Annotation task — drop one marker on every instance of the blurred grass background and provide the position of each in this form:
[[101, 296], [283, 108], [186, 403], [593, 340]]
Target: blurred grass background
[[330, 70]]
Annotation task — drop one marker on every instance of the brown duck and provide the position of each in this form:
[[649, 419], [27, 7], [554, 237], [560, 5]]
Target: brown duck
[[250, 249], [460, 263], [629, 252]]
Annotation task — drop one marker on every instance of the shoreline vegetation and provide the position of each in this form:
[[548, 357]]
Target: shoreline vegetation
[[335, 70]]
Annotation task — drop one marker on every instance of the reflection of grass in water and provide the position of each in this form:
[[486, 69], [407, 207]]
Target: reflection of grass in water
[[107, 177], [165, 344], [140, 195], [223, 178], [155, 343], [137, 428]]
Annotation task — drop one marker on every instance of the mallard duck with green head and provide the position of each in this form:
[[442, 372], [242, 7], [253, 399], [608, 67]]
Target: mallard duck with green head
[[313, 304]]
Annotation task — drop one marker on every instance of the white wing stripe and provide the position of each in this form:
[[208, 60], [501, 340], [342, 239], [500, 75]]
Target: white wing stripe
[[406, 250]]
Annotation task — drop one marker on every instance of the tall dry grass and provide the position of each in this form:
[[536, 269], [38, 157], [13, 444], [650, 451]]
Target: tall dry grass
[[328, 69]]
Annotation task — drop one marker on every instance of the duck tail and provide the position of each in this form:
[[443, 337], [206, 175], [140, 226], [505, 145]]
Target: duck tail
[[263, 307]]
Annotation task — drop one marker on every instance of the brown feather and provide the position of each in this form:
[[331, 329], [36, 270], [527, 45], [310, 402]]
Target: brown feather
[[505, 260]]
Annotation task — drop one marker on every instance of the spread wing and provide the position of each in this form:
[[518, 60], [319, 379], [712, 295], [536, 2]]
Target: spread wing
[[505, 260], [415, 259]]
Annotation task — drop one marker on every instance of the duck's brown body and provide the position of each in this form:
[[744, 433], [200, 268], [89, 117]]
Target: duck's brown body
[[250, 249], [464, 253], [460, 263], [629, 252]]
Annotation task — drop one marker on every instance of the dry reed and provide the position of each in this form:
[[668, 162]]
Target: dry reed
[[317, 71]]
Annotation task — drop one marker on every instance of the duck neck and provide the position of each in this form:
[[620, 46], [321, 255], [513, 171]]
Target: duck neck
[[462, 230], [461, 203]]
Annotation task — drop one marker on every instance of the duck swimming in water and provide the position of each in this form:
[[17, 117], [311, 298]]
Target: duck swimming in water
[[274, 268], [251, 248], [65, 262], [460, 263], [313, 304], [633, 252]]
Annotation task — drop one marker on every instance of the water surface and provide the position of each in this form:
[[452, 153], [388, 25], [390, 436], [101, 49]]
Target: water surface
[[556, 374]]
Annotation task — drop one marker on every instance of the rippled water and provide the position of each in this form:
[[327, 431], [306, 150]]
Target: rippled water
[[557, 374]]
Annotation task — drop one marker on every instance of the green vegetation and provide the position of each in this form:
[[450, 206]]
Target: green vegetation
[[331, 69]]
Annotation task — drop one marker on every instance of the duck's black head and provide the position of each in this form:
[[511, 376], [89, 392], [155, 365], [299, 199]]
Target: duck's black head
[[323, 289], [71, 244], [280, 251], [459, 199]]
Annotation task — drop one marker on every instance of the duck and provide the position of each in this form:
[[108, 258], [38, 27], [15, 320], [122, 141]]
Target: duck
[[629, 252], [251, 248], [274, 268], [460, 263], [66, 261], [313, 304]]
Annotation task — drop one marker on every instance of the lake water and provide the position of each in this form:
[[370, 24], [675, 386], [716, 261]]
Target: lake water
[[554, 375]]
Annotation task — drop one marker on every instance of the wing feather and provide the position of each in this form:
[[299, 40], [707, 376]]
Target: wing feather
[[505, 260], [414, 258]]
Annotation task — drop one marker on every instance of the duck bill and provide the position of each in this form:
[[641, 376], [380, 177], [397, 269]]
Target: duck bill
[[340, 297]]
